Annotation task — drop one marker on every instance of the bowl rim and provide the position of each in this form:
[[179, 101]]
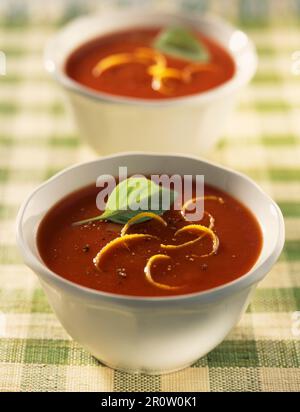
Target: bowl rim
[[254, 275], [237, 81]]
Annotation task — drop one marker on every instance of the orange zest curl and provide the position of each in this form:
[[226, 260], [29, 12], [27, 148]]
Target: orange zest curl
[[148, 273], [200, 229], [160, 74], [141, 216], [110, 62], [156, 64], [141, 55], [146, 54], [195, 199], [119, 241], [211, 220]]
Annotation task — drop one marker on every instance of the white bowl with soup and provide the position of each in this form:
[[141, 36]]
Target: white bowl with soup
[[183, 305], [127, 99]]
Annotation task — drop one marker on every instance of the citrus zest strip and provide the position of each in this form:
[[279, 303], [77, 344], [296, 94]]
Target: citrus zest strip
[[119, 241], [148, 274], [195, 199], [195, 228], [159, 70], [211, 219], [111, 61], [161, 73], [211, 223], [141, 55], [141, 216], [150, 54]]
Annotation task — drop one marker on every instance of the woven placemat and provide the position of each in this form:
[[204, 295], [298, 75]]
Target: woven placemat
[[38, 138]]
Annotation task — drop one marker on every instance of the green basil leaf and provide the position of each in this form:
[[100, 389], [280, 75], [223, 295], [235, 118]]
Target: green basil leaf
[[180, 42], [133, 196]]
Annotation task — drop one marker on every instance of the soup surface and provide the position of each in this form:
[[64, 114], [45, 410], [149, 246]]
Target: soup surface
[[70, 250], [137, 78]]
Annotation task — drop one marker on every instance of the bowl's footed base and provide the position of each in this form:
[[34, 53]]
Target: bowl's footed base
[[144, 371]]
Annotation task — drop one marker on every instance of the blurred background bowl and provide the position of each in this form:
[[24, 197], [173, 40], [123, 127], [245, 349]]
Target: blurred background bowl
[[191, 124]]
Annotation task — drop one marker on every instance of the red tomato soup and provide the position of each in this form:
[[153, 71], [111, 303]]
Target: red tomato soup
[[135, 72], [132, 267]]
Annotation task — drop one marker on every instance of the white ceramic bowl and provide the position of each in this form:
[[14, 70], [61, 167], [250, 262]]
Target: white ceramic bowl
[[113, 124], [138, 334]]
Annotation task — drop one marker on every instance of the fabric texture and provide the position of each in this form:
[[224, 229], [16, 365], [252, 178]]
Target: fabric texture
[[38, 137]]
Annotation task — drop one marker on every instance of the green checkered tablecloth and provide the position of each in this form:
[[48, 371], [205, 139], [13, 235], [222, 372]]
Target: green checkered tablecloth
[[38, 138]]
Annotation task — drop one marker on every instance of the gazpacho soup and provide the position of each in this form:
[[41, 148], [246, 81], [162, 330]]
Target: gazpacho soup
[[151, 252], [151, 63]]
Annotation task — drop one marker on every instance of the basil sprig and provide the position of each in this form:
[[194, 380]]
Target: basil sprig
[[182, 43], [133, 196]]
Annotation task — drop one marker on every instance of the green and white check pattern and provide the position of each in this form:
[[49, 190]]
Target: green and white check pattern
[[38, 138]]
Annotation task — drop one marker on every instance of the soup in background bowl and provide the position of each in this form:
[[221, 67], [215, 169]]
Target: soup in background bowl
[[152, 334], [127, 98], [127, 63]]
